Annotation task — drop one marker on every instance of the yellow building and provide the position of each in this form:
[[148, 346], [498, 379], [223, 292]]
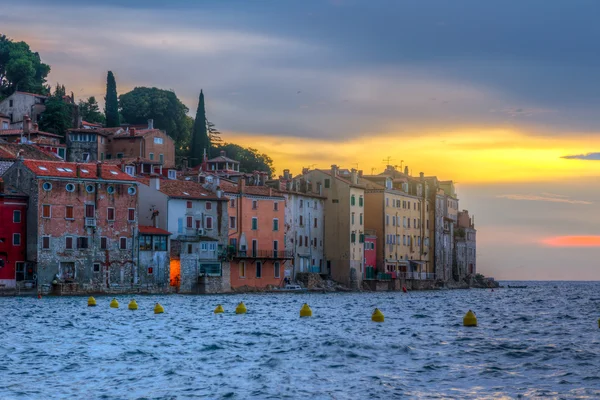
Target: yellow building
[[344, 223]]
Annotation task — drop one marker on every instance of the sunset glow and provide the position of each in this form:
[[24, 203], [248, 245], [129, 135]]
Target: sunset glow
[[572, 241]]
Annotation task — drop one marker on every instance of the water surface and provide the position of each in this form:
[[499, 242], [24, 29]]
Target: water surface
[[542, 341]]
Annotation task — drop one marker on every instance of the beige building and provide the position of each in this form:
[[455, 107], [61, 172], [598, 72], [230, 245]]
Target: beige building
[[452, 206], [344, 223]]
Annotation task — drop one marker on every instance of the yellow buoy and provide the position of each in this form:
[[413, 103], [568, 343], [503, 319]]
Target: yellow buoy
[[377, 316], [114, 303], [470, 319], [132, 305], [91, 302], [241, 308], [158, 309], [219, 309], [305, 311]]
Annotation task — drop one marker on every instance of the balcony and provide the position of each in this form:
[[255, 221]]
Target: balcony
[[210, 269], [90, 222], [262, 254]]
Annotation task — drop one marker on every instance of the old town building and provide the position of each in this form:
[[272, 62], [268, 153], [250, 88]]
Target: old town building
[[344, 223], [465, 245], [30, 134], [197, 220], [21, 104], [14, 269], [81, 225]]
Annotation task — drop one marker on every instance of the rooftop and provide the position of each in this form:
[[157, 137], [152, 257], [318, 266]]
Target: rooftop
[[61, 169], [121, 133], [150, 230], [131, 161], [19, 132], [183, 189], [10, 151]]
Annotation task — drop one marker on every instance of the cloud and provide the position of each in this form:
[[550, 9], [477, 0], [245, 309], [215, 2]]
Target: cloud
[[572, 241], [547, 197], [588, 156]]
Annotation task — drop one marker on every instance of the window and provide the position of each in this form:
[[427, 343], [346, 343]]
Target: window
[[361, 238], [90, 188], [190, 222], [129, 170], [102, 154], [4, 125], [189, 204], [69, 243], [327, 183], [275, 224], [208, 205], [47, 186], [360, 201], [119, 155], [131, 191], [414, 223], [90, 211], [162, 158], [408, 222], [190, 248], [10, 103], [301, 203], [85, 157], [151, 155], [254, 223], [353, 237], [361, 219], [387, 219], [110, 214], [277, 269], [131, 214], [204, 246], [232, 203], [96, 267], [254, 204], [352, 218], [46, 211], [16, 239], [300, 242], [198, 224], [387, 202], [242, 269], [108, 156], [275, 206], [103, 243], [315, 225], [301, 220], [353, 200], [393, 220], [16, 216], [45, 242], [212, 246], [415, 205], [172, 174], [209, 223], [404, 222], [158, 140], [258, 269], [110, 189], [70, 187], [160, 243], [82, 242], [123, 243], [232, 222]]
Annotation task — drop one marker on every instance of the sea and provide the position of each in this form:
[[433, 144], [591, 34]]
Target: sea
[[541, 341]]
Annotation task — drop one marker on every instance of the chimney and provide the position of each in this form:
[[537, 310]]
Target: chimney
[[223, 153], [219, 192], [242, 186], [26, 124], [360, 173], [99, 170], [305, 171], [132, 132], [155, 182], [36, 126], [78, 170], [334, 170], [155, 216], [286, 174], [406, 170], [79, 122], [150, 123], [354, 176]]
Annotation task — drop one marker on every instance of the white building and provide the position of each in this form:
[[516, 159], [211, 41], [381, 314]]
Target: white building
[[20, 104]]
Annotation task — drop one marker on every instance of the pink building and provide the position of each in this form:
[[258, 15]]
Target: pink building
[[370, 255]]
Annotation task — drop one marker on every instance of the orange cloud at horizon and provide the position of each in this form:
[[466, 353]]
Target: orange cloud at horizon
[[572, 241], [470, 155]]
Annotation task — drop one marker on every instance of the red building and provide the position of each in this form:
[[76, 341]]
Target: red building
[[13, 211]]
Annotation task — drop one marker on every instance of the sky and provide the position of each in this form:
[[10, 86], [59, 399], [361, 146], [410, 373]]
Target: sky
[[502, 97]]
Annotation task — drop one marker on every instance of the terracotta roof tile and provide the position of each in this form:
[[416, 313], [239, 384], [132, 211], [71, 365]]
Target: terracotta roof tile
[[61, 169], [13, 132], [9, 151], [183, 189], [150, 230]]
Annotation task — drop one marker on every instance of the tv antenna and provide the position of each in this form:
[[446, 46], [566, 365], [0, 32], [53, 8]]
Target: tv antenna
[[388, 160]]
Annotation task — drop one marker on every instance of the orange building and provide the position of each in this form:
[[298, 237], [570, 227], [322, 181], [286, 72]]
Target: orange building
[[256, 235]]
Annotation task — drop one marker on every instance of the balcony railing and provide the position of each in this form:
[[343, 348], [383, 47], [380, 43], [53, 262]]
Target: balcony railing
[[90, 222], [416, 275], [263, 254]]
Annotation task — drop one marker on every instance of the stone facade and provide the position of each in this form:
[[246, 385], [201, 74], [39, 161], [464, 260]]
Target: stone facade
[[86, 145], [81, 224], [19, 104]]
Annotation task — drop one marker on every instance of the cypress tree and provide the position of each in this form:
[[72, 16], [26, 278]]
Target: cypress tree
[[111, 107], [200, 139]]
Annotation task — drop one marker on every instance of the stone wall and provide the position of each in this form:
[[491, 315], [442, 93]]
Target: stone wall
[[309, 280]]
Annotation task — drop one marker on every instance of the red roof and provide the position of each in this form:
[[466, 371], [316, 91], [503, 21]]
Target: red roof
[[183, 189], [62, 169], [9, 151], [250, 190], [13, 132], [150, 230]]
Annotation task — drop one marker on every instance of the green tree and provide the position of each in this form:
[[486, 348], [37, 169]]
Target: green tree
[[250, 159], [21, 69], [58, 116], [200, 138], [111, 106], [89, 110], [163, 106]]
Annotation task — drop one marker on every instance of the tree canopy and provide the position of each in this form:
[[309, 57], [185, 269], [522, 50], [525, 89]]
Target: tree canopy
[[250, 159], [200, 138], [163, 106], [111, 104], [58, 116], [21, 69], [89, 111]]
